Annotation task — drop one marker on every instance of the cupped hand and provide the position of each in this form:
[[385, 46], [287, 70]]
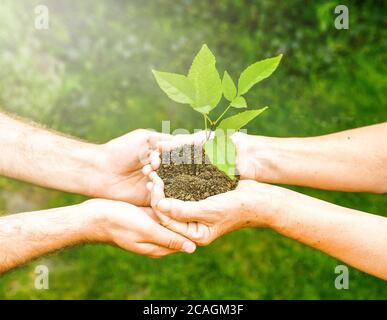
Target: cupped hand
[[120, 161], [133, 229], [251, 204]]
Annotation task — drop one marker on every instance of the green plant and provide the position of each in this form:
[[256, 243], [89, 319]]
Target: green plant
[[203, 89]]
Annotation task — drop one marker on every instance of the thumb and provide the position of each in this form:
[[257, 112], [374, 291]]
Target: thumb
[[168, 239], [186, 211]]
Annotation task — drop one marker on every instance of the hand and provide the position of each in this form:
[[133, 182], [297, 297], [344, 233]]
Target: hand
[[252, 155], [119, 175], [133, 229], [118, 172], [248, 166], [251, 204]]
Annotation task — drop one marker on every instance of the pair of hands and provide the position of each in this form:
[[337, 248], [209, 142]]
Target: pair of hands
[[127, 220], [173, 225], [251, 204], [158, 226]]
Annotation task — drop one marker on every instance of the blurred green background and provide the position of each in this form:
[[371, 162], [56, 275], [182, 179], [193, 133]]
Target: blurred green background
[[89, 76]]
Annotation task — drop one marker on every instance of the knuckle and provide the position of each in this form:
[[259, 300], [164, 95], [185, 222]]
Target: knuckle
[[204, 241], [166, 222], [203, 236], [197, 236], [140, 131], [174, 244]]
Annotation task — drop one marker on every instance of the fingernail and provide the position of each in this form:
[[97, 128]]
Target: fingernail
[[164, 205], [188, 247]]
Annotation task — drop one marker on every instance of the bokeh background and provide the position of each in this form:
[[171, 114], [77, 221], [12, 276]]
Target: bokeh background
[[89, 76]]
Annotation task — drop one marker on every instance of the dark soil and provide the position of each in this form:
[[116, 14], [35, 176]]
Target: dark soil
[[188, 175]]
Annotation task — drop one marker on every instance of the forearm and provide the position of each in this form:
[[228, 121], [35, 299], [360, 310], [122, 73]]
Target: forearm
[[26, 236], [45, 158], [357, 238], [353, 160]]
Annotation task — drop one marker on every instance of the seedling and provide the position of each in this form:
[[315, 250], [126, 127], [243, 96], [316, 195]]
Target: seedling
[[203, 89]]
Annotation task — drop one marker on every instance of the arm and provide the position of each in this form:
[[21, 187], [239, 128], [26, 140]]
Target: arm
[[352, 160], [357, 238], [111, 170], [29, 235], [45, 158]]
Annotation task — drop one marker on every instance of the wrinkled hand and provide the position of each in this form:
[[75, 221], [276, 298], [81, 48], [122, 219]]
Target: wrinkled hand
[[251, 204], [133, 229]]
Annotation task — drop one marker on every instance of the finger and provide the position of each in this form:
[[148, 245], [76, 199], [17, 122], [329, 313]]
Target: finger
[[198, 138], [155, 160], [153, 251], [147, 169], [153, 176], [187, 211], [155, 179], [156, 137], [165, 146], [157, 193], [201, 136], [197, 232], [166, 238], [149, 186], [151, 213], [243, 168], [190, 230]]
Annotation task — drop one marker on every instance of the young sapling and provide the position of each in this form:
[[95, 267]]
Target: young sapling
[[202, 89]]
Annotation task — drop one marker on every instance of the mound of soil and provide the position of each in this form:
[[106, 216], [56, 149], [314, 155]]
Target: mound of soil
[[188, 175]]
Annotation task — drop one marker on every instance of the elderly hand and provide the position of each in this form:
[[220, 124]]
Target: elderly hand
[[251, 204]]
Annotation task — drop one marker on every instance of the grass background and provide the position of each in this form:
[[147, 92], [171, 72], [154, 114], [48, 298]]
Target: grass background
[[89, 76]]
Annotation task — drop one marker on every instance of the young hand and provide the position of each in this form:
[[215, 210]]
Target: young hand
[[118, 174], [28, 235]]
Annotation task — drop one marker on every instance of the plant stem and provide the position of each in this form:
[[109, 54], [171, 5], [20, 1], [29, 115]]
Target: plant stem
[[220, 117], [205, 126], [209, 120]]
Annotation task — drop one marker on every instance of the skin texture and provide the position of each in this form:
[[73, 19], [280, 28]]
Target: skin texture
[[355, 237], [28, 235], [352, 160], [111, 170]]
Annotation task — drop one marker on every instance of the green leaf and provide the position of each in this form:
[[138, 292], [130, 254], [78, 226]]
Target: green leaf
[[239, 102], [221, 149], [204, 109], [257, 72], [222, 153], [177, 87], [228, 87], [206, 81], [239, 120]]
